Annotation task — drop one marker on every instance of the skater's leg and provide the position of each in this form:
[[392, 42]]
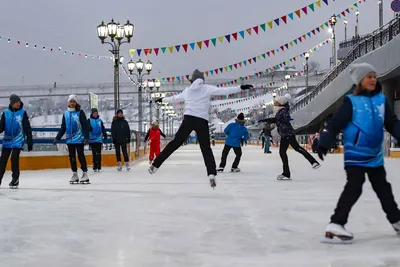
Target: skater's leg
[[383, 189], [267, 144], [5, 154], [100, 148], [125, 152], [181, 135], [224, 156], [293, 142], [263, 142], [72, 157], [15, 163], [92, 146], [283, 147], [203, 131], [351, 192], [238, 153], [81, 156], [151, 153], [118, 152]]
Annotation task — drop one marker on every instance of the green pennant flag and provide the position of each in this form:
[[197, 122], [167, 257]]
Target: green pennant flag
[[214, 41], [295, 41], [356, 5], [263, 55], [230, 66], [163, 49], [311, 7], [326, 24], [263, 26]]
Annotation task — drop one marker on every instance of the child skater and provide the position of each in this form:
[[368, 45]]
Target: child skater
[[74, 125], [286, 131], [196, 115], [153, 135], [363, 115], [15, 125], [235, 131], [97, 135]]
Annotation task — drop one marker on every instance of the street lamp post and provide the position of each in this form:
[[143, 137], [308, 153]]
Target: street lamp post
[[117, 33], [333, 22], [307, 56], [151, 85], [380, 3], [345, 29], [139, 66], [357, 29], [287, 78]]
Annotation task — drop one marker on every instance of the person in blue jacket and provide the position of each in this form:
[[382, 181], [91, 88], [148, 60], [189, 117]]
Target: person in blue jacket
[[15, 125], [97, 135], [235, 131], [74, 125], [363, 115]]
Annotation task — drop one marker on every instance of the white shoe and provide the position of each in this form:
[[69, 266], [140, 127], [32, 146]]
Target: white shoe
[[334, 230], [74, 178], [84, 178], [152, 169], [396, 227], [127, 166], [316, 165], [119, 168], [213, 182], [235, 170]]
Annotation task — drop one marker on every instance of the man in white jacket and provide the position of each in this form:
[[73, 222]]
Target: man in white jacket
[[196, 116]]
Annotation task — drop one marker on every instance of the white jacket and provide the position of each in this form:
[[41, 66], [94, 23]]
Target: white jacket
[[197, 98]]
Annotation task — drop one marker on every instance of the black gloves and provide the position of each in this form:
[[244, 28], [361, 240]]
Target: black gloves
[[159, 100], [55, 142], [322, 152], [246, 86]]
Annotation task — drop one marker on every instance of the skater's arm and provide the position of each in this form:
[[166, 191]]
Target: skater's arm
[[246, 136], [175, 98], [162, 134], [213, 90], [2, 123], [90, 128], [84, 125], [128, 133], [392, 124], [269, 120], [147, 135], [62, 130], [103, 130], [27, 129], [113, 132]]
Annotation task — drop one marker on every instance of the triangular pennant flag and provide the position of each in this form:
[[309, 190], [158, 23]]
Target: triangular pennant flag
[[311, 6], [226, 68], [317, 29], [352, 7], [282, 48], [273, 52], [304, 10], [177, 47], [254, 59], [192, 45], [221, 39], [221, 70], [258, 57], [228, 38], [284, 19], [139, 51], [291, 43], [268, 54], [300, 39], [347, 10], [235, 35], [207, 42], [245, 62], [287, 46], [235, 65], [339, 16], [263, 55], [262, 26], [216, 71], [214, 41], [255, 28], [240, 64], [355, 4], [231, 67], [156, 51], [199, 44], [276, 21], [146, 51], [248, 31], [242, 34], [270, 24], [318, 3], [187, 77], [171, 48], [326, 24], [295, 41], [343, 14], [313, 32], [173, 79], [206, 73], [163, 49], [326, 2], [290, 15], [185, 47], [131, 51], [322, 26], [168, 79], [309, 34], [298, 13]]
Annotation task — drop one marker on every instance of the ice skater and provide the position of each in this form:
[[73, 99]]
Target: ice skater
[[285, 129], [362, 115], [196, 115], [266, 137], [235, 131], [15, 125], [97, 135], [74, 125], [154, 137], [121, 137]]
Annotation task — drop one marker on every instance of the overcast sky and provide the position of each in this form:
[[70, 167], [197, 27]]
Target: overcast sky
[[72, 25]]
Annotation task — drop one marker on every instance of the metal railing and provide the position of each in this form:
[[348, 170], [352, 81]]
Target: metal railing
[[352, 42], [375, 40]]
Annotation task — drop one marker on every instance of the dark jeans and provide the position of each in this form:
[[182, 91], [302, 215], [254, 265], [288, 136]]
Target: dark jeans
[[285, 142], [74, 149], [353, 189], [225, 152], [189, 124], [96, 153], [5, 154], [118, 148]]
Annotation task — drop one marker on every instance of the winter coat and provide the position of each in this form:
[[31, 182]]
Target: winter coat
[[74, 125], [97, 131], [362, 117], [235, 132], [120, 132], [153, 134], [282, 120], [15, 125], [197, 98]]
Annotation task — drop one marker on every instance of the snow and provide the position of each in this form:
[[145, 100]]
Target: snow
[[174, 218]]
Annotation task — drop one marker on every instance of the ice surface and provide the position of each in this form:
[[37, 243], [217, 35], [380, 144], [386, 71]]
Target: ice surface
[[174, 218]]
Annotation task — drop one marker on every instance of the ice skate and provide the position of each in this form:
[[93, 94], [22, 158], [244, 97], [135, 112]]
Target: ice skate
[[74, 178], [213, 183], [336, 233], [152, 169], [235, 170], [119, 168], [396, 227], [283, 177], [316, 165], [95, 170], [127, 166], [14, 183], [220, 169], [84, 179]]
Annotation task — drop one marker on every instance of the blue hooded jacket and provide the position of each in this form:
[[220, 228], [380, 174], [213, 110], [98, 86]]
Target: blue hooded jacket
[[74, 125], [236, 131], [97, 132]]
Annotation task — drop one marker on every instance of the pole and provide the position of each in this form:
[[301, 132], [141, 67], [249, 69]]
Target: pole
[[345, 32], [380, 13], [140, 100], [306, 77], [333, 47], [357, 26], [116, 77], [151, 111], [163, 121]]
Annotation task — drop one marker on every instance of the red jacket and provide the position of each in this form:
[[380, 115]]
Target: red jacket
[[153, 134]]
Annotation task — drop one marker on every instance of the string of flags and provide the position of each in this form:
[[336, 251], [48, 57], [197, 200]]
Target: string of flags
[[252, 31]]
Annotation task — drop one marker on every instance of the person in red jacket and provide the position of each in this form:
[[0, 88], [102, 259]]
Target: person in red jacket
[[153, 135]]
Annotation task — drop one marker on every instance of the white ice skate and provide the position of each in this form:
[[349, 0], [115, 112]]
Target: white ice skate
[[119, 168], [283, 177], [220, 169], [152, 169], [235, 170], [336, 233], [74, 178], [316, 165], [396, 227], [213, 182], [85, 178], [127, 166]]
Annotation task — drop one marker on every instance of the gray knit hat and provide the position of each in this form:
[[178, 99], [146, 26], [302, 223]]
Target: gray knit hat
[[197, 75], [359, 71]]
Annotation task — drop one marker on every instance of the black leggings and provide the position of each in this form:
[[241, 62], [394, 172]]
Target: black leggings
[[96, 153], [5, 154], [74, 149], [225, 152]]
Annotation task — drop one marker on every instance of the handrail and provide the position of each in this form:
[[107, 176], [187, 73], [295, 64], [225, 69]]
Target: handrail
[[375, 40]]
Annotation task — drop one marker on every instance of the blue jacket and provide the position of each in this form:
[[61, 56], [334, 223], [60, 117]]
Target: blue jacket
[[15, 125], [235, 132], [363, 118], [97, 132], [74, 125]]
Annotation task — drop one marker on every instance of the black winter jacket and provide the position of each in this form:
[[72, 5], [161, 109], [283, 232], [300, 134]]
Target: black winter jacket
[[282, 120], [120, 132]]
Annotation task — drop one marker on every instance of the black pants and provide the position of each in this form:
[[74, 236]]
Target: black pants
[[118, 148], [225, 152], [189, 124], [96, 153], [74, 149], [353, 189], [5, 154], [285, 142]]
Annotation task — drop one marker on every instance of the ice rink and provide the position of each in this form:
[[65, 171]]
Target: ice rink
[[174, 218]]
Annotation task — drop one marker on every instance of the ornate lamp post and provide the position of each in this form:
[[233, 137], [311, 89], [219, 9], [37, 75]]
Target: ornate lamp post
[[333, 22]]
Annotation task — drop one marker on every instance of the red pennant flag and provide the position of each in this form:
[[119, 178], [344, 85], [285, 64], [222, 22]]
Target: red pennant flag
[[146, 51], [282, 48], [156, 51], [313, 31], [168, 79], [235, 35], [294, 58], [344, 14], [207, 42], [300, 39], [255, 29], [249, 60], [268, 53], [304, 10], [185, 47], [216, 71], [249, 31], [284, 19]]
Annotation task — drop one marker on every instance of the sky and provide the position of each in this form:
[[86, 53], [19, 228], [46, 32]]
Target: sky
[[72, 25]]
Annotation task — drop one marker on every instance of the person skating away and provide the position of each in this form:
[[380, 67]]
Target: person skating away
[[285, 129], [196, 115], [235, 131], [362, 115], [121, 136], [97, 135], [15, 124], [315, 143], [154, 137], [266, 136], [75, 126]]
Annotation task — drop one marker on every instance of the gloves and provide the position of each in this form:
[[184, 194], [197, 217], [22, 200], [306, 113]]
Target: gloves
[[55, 142], [322, 152], [30, 147], [246, 86], [159, 100]]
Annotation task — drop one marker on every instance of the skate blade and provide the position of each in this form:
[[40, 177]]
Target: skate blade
[[13, 186], [317, 167], [213, 184], [335, 239], [150, 171], [84, 182], [284, 179]]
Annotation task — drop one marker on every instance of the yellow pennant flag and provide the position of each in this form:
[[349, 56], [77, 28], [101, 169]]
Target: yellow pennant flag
[[258, 57], [291, 43], [132, 52], [221, 39], [171, 48], [322, 26], [226, 68], [318, 3], [270, 24], [352, 8]]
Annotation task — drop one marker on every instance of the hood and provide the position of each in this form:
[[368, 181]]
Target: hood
[[196, 84], [20, 107], [117, 118]]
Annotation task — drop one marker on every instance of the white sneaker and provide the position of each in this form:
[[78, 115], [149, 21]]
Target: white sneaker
[[396, 227], [152, 169], [84, 178], [316, 165], [213, 182], [119, 168], [235, 170], [335, 230], [74, 178], [127, 166]]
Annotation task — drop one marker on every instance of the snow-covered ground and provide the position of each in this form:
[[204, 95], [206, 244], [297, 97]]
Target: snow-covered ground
[[174, 218]]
